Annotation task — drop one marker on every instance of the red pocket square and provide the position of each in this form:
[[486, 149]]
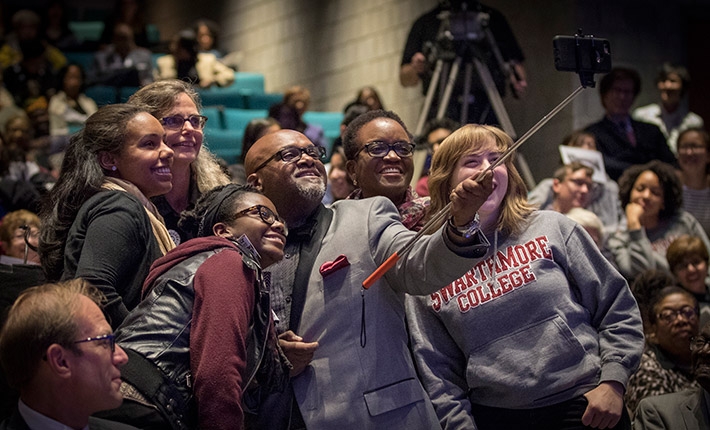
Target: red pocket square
[[330, 267]]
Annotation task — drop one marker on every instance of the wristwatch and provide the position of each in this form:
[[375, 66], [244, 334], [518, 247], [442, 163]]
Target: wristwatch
[[467, 231]]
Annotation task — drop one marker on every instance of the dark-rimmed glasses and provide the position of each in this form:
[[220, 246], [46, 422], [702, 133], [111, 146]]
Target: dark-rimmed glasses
[[267, 215], [379, 149], [293, 154], [176, 121], [698, 342], [670, 315], [111, 338]]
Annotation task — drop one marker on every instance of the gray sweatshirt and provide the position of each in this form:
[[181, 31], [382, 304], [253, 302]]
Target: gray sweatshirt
[[543, 322]]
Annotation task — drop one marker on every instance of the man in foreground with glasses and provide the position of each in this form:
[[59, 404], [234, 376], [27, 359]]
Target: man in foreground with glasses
[[57, 348], [379, 152], [686, 410], [348, 346]]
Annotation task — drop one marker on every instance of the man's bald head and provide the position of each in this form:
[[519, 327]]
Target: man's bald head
[[268, 145]]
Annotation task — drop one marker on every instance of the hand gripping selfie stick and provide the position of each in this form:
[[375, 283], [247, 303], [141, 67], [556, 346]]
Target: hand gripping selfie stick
[[589, 56]]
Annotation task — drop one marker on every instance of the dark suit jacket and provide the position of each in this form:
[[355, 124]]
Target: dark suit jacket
[[618, 152], [16, 422], [685, 410]]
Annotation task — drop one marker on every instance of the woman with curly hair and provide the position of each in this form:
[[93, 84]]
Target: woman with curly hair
[[652, 196]]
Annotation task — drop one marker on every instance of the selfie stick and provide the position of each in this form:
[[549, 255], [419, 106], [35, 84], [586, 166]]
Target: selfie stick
[[444, 212]]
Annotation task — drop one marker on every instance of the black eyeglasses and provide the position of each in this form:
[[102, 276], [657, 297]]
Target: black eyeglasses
[[670, 315], [293, 154], [109, 338], [379, 149], [266, 215], [176, 121], [698, 342]]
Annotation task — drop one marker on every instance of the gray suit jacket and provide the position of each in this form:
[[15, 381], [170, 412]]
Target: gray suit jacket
[[16, 422], [362, 375], [685, 410]]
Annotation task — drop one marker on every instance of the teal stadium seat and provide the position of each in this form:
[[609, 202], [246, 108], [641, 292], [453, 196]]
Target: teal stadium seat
[[214, 117], [330, 121], [102, 94], [87, 30], [237, 119], [262, 100], [226, 144], [84, 59], [248, 82]]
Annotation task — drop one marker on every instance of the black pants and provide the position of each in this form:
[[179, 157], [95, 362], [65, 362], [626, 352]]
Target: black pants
[[562, 416]]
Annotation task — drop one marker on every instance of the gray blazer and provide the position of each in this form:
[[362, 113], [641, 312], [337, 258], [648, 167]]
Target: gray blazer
[[362, 375], [685, 410]]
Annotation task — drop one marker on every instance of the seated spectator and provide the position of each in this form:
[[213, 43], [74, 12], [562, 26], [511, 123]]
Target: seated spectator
[[694, 161], [256, 129], [70, 107], [688, 259], [289, 113], [185, 63], [622, 140], [593, 225], [671, 115], [340, 186], [26, 28], [26, 156], [123, 62], [435, 131], [604, 197], [129, 12], [12, 237], [56, 27], [57, 348], [379, 151], [207, 33], [15, 193], [652, 197], [221, 337], [572, 186], [353, 112], [685, 410], [33, 80], [368, 97], [671, 320]]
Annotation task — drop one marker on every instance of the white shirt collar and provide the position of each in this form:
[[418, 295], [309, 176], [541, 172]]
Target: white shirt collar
[[37, 421]]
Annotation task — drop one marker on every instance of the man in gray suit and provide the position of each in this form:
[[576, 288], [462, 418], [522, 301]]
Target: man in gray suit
[[57, 348], [352, 367], [686, 410]]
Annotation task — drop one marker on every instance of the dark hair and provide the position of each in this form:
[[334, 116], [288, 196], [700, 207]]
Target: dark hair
[[63, 73], [672, 187], [220, 202], [350, 136], [646, 287], [668, 69], [435, 124], [81, 178], [254, 130], [212, 26], [662, 294], [353, 112], [701, 131], [685, 246], [618, 74], [564, 171]]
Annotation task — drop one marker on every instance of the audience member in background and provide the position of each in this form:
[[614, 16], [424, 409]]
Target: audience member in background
[[221, 337], [70, 107], [572, 186], [15, 193], [185, 63], [26, 29], [652, 197], [603, 198], [688, 259], [351, 113], [122, 63], [524, 363], [379, 151], [671, 320], [671, 115], [57, 349], [33, 80], [26, 156], [98, 223], [685, 410], [435, 131], [207, 32], [55, 25], [368, 97], [694, 161], [255, 130], [12, 237], [195, 169], [622, 140], [340, 185], [131, 13], [594, 226], [289, 113]]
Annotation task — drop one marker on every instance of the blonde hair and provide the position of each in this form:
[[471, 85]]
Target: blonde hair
[[467, 140]]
